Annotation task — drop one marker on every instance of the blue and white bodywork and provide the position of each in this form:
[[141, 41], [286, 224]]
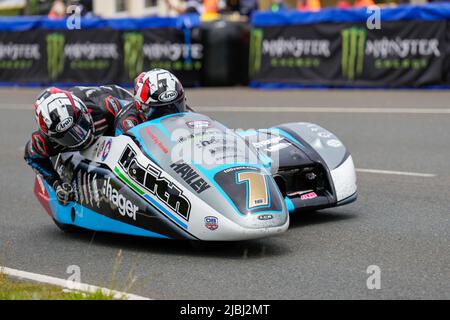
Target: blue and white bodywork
[[186, 176]]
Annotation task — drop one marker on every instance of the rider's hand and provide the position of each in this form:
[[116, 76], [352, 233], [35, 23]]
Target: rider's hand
[[64, 192]]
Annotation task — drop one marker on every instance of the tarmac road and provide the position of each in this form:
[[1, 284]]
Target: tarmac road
[[400, 223]]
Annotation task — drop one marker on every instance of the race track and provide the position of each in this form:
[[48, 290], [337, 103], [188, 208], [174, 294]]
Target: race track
[[400, 222]]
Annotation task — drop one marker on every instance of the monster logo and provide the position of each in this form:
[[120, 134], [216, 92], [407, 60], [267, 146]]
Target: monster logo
[[133, 53], [353, 49], [55, 55], [255, 51]]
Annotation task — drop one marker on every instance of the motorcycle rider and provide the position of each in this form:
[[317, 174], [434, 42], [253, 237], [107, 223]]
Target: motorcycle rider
[[157, 93], [71, 121]]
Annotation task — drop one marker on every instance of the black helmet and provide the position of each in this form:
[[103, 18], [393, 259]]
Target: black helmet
[[159, 93], [64, 118]]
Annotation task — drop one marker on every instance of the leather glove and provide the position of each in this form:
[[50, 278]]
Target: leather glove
[[64, 192]]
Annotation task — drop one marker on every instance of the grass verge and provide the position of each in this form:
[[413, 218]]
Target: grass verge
[[12, 289]]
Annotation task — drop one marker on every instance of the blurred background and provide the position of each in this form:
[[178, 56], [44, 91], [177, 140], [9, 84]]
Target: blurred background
[[257, 43], [398, 138], [139, 8]]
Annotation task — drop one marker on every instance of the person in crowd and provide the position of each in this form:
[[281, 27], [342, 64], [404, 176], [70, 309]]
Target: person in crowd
[[81, 8], [194, 6], [343, 4], [71, 121], [308, 5], [58, 10], [277, 5], [364, 3], [210, 8], [172, 8], [247, 7]]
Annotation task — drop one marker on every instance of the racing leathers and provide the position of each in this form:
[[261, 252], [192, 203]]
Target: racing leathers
[[104, 104]]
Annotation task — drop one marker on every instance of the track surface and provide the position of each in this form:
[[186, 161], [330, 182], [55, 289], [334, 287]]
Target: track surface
[[400, 223]]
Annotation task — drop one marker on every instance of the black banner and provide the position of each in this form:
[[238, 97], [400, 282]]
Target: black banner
[[165, 48], [401, 53], [97, 56], [83, 56], [447, 56], [22, 56]]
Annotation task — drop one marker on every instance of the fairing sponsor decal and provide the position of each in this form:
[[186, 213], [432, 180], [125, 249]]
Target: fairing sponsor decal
[[199, 124], [96, 193], [106, 149], [190, 176], [212, 223], [150, 179], [116, 199], [309, 196]]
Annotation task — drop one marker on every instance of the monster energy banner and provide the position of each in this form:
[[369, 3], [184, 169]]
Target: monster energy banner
[[91, 56], [21, 56], [401, 53], [96, 56], [166, 48]]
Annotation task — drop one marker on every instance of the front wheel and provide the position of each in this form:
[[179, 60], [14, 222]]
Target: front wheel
[[68, 228]]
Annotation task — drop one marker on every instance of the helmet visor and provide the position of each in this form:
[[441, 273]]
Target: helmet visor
[[78, 134], [164, 110]]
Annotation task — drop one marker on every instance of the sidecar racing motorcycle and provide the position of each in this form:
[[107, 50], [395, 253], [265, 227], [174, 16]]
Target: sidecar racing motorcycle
[[186, 176]]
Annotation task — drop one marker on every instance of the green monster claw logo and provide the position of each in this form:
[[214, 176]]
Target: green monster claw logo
[[55, 55], [353, 49], [133, 53], [255, 51]]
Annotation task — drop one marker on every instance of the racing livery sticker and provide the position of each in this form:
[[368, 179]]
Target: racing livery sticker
[[101, 191], [119, 201], [199, 124], [309, 196], [106, 150], [156, 141], [100, 149], [212, 223], [104, 195], [150, 179], [191, 177]]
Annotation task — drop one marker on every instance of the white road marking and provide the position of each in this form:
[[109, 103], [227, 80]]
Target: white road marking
[[12, 107], [323, 110], [398, 173], [237, 109], [73, 286]]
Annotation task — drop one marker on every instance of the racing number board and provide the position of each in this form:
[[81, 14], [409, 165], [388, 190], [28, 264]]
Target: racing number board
[[249, 189], [257, 193]]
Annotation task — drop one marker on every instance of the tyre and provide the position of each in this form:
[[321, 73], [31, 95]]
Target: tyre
[[68, 228]]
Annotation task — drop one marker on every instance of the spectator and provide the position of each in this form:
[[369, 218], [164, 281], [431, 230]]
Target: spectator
[[278, 5], [364, 3], [308, 5], [194, 6], [247, 7], [172, 8], [58, 10], [210, 10], [343, 4], [81, 8]]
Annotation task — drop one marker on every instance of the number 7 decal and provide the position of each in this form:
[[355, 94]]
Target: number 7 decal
[[257, 193]]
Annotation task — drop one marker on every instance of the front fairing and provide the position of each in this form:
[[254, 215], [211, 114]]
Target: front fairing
[[215, 164]]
